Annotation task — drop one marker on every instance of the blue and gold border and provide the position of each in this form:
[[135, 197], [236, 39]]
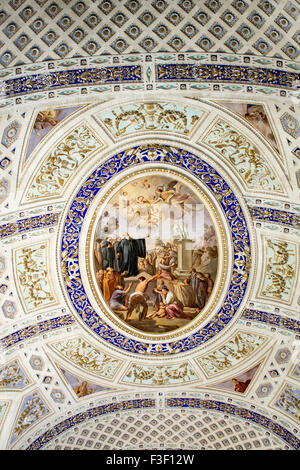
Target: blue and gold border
[[272, 319], [30, 331], [217, 72], [31, 223], [67, 78], [218, 188], [36, 329], [265, 214], [180, 72], [226, 73]]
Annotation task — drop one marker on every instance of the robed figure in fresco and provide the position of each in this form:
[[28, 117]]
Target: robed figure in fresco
[[107, 253], [129, 250], [199, 286]]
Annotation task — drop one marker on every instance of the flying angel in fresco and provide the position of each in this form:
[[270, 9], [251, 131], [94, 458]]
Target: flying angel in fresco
[[171, 194]]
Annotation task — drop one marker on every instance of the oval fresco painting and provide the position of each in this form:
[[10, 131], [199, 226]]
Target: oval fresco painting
[[155, 254]]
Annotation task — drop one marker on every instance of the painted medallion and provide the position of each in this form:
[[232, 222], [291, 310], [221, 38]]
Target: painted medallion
[[155, 254]]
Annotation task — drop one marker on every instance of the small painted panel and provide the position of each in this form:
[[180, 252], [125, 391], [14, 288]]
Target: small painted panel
[[63, 160], [32, 410], [159, 375], [84, 355], [256, 115], [240, 382], [12, 376], [241, 346], [82, 387], [289, 401], [44, 122], [33, 276], [243, 155], [151, 116], [280, 270]]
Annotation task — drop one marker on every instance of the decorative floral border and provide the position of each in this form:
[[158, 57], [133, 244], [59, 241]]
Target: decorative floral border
[[207, 175], [90, 76], [217, 72], [31, 223]]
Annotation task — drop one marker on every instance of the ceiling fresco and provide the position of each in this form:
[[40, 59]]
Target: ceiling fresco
[[149, 225]]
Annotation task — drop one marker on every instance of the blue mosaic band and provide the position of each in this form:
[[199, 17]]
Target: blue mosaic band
[[90, 414], [179, 72], [240, 239], [26, 225], [272, 319], [274, 215], [239, 412], [52, 80], [36, 329], [226, 73]]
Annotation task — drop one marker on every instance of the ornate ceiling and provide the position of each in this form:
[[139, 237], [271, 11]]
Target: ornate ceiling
[[97, 95]]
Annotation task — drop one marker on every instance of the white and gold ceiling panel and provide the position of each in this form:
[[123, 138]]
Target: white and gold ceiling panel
[[184, 335]]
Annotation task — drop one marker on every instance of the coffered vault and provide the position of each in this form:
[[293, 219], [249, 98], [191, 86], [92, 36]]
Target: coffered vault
[[99, 94]]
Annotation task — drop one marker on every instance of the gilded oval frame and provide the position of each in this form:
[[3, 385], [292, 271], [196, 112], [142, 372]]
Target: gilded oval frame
[[219, 190]]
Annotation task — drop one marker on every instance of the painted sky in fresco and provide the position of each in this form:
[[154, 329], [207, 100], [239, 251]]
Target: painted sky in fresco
[[139, 209]]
